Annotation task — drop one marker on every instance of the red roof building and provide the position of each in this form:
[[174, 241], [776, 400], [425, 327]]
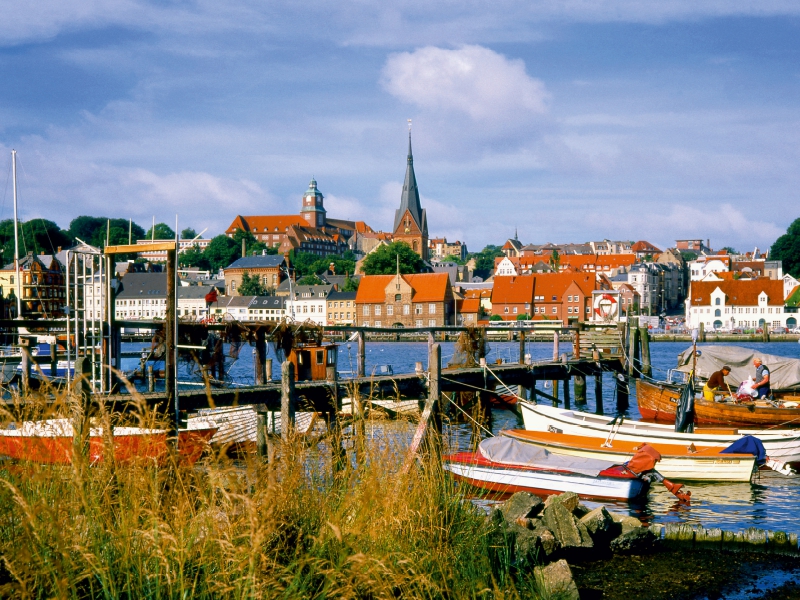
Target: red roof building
[[420, 300]]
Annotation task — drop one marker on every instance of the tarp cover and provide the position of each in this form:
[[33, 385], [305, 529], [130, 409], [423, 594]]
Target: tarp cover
[[748, 445], [502, 449], [784, 373]]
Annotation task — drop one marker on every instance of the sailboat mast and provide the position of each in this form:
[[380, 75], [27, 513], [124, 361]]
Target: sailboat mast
[[17, 283]]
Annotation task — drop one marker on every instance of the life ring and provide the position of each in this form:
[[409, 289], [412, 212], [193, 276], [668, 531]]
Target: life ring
[[606, 307]]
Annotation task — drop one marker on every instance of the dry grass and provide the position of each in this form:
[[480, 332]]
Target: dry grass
[[244, 529]]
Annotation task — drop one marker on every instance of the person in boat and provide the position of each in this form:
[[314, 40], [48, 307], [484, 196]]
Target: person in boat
[[715, 383], [761, 384]]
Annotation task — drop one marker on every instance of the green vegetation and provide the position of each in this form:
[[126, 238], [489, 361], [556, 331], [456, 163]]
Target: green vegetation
[[251, 286], [787, 249], [37, 235], [309, 280], [188, 234], [306, 263], [162, 232], [523, 317], [453, 258], [729, 250], [350, 285], [248, 529], [495, 318], [383, 260], [484, 260]]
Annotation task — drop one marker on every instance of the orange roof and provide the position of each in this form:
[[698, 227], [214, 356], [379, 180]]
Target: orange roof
[[478, 293], [265, 224], [469, 305], [741, 292], [362, 227], [598, 261], [643, 246], [428, 287], [555, 284], [513, 289]]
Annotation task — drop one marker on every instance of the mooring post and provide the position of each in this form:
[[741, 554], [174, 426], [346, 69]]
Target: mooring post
[[580, 389], [53, 358], [566, 393], [633, 344], [268, 370], [556, 358], [622, 392], [644, 337], [362, 354], [261, 433], [701, 332], [522, 347], [170, 327], [338, 456], [434, 397], [555, 346], [287, 400], [151, 379], [576, 342], [260, 356], [598, 393], [26, 366]]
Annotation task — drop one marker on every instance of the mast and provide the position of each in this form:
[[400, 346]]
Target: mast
[[17, 284]]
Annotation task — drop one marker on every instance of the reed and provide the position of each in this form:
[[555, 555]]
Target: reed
[[244, 528]]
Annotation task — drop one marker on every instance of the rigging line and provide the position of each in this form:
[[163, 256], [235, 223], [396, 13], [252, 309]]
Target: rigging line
[[503, 383], [47, 233], [451, 401]]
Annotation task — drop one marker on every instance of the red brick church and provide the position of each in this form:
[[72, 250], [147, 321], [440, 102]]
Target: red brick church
[[411, 220]]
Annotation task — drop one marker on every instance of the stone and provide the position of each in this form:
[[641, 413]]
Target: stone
[[634, 541], [598, 522], [569, 499], [521, 505], [627, 523], [547, 540], [581, 511], [756, 539], [779, 542], [528, 548], [678, 535], [559, 520], [555, 581]]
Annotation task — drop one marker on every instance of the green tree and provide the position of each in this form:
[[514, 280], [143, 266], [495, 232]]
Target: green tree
[[252, 245], [555, 260], [221, 251], [39, 236], [92, 230], [194, 257], [309, 280], [495, 318], [383, 260], [453, 258], [350, 284], [730, 250], [523, 317], [306, 263], [251, 286], [188, 234], [484, 260], [787, 249], [163, 232]]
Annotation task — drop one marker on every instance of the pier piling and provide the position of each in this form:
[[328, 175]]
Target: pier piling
[[362, 353], [260, 357], [261, 434], [644, 336], [151, 379], [633, 344], [622, 392], [580, 389], [598, 393], [268, 370], [287, 400], [566, 394]]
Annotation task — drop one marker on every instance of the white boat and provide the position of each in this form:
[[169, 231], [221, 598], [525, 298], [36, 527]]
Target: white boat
[[782, 445], [678, 460], [506, 465]]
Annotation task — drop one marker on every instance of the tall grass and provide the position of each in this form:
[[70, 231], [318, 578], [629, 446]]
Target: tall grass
[[246, 529]]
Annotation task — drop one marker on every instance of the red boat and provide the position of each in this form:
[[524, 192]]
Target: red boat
[[51, 442]]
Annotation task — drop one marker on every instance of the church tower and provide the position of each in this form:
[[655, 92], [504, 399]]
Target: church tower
[[313, 211], [410, 220]]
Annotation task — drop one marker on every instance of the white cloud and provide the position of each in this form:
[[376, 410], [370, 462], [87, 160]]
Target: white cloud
[[472, 80]]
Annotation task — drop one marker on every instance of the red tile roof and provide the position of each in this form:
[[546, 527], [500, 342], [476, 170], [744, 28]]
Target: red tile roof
[[265, 224], [513, 289], [428, 287], [739, 292], [643, 246], [469, 305], [555, 284]]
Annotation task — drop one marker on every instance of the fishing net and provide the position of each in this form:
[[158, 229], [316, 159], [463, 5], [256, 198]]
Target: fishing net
[[470, 348]]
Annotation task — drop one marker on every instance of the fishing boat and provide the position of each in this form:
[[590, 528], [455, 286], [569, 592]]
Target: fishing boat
[[50, 441], [658, 400], [782, 445], [506, 465], [679, 461]]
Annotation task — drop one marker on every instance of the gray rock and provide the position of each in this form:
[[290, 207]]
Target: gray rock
[[581, 511], [634, 541], [555, 581], [548, 542], [569, 499], [521, 505], [559, 520], [599, 523]]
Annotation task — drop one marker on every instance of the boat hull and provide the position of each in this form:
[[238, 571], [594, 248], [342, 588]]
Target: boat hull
[[700, 463], [782, 446], [475, 470], [659, 401]]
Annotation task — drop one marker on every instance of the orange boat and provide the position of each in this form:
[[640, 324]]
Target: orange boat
[[678, 461], [51, 442], [659, 400]]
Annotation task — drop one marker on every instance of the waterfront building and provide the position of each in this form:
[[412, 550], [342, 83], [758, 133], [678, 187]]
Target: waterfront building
[[270, 269], [512, 296], [41, 286], [420, 300], [309, 303], [238, 307], [735, 303], [440, 249], [141, 296], [546, 296], [341, 308], [707, 264], [469, 310], [411, 220], [267, 308]]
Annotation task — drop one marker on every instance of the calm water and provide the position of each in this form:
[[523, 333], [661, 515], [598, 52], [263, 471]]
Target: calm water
[[772, 501]]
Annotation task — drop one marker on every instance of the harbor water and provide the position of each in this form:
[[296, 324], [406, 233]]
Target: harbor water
[[771, 501]]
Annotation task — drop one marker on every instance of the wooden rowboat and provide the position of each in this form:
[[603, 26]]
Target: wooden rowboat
[[678, 461], [659, 400], [541, 472], [782, 445], [51, 442]]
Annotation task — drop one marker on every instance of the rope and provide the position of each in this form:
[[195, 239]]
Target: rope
[[451, 401]]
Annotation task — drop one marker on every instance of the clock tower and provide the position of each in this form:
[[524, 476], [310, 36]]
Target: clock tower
[[411, 220], [313, 211]]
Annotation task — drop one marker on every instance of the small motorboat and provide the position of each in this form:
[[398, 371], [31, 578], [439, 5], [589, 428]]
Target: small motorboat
[[782, 445], [688, 462], [51, 442], [506, 465]]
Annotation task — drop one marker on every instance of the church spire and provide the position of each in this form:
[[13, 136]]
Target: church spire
[[409, 201]]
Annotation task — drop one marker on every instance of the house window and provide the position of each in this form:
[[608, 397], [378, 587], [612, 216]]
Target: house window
[[406, 309], [717, 312], [419, 323], [716, 301], [377, 324], [377, 309], [366, 310], [505, 310], [389, 309], [418, 309], [515, 310], [569, 310], [588, 310], [554, 298], [398, 297], [432, 323], [431, 309]]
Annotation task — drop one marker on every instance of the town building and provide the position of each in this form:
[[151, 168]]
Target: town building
[[421, 300], [697, 246], [644, 250], [41, 286], [411, 220], [270, 269], [160, 256], [267, 308], [192, 302], [737, 303], [456, 272], [312, 241], [237, 308], [547, 296], [512, 247], [309, 303], [142, 296], [611, 247], [707, 264], [341, 308], [512, 296], [439, 249]]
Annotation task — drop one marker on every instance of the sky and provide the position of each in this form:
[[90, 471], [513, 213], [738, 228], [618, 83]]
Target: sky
[[564, 121]]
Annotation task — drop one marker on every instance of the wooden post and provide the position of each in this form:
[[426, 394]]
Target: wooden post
[[268, 370], [26, 369], [701, 332], [554, 387], [151, 379], [53, 358], [555, 346], [171, 323], [338, 455], [633, 345], [576, 342], [261, 434], [260, 357], [556, 358], [566, 393], [644, 336], [287, 400], [580, 389], [598, 393], [362, 354], [434, 397], [522, 347], [622, 393]]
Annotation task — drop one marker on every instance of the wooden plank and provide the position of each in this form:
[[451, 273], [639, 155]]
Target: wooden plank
[[128, 248]]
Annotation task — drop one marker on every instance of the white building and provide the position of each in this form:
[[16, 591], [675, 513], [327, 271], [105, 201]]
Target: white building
[[309, 303], [729, 304], [705, 265]]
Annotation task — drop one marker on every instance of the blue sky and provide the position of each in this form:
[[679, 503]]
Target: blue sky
[[568, 121]]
